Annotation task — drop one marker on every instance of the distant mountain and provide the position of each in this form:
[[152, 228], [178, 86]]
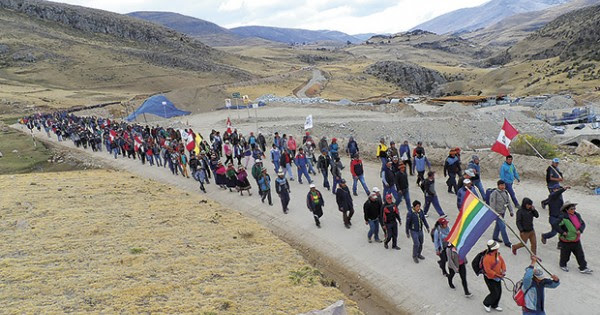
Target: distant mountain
[[512, 29], [366, 36], [489, 13], [293, 35]]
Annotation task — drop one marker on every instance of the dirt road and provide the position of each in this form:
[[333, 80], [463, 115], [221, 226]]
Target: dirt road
[[416, 288], [317, 78]]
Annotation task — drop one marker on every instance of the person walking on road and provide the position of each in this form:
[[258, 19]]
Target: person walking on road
[[344, 203], [372, 210], [499, 201], [533, 287], [401, 183], [357, 170], [382, 151], [275, 157], [553, 175], [508, 173], [388, 179], [264, 185], [476, 179], [315, 203], [456, 265], [286, 164], [282, 188], [525, 216], [415, 220], [390, 218], [431, 198], [336, 173], [419, 164], [302, 164], [405, 156], [451, 170], [323, 164], [352, 147], [438, 234], [571, 226], [554, 202], [462, 192], [494, 271]]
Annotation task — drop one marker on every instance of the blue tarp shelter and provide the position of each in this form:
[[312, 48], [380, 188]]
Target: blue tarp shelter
[[157, 105]]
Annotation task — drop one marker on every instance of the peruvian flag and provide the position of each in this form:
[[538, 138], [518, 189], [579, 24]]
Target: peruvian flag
[[112, 136], [137, 143], [506, 135], [190, 142], [229, 125]]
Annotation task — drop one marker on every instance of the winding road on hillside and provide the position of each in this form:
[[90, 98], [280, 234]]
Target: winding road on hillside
[[317, 78]]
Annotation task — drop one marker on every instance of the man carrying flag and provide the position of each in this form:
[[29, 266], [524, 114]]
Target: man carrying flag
[[507, 134], [508, 171]]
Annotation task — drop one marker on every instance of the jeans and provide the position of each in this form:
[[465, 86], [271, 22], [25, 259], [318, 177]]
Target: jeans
[[495, 287], [417, 238], [115, 152], [276, 164], [383, 162], [391, 190], [360, 178], [436, 204], [479, 186], [511, 192], [288, 170], [404, 194], [303, 171], [158, 160], [534, 313], [285, 199], [501, 228], [311, 168], [325, 180], [150, 159], [373, 229], [552, 232], [336, 182]]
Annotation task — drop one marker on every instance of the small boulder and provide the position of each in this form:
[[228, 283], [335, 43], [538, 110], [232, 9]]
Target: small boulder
[[337, 308], [586, 148], [1, 155]]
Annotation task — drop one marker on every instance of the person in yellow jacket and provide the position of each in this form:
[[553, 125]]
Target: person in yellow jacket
[[382, 152]]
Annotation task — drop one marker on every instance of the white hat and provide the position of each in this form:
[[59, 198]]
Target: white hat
[[280, 173], [375, 189], [257, 161], [492, 245], [312, 186], [466, 181]]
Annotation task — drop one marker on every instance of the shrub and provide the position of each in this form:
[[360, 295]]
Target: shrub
[[545, 148]]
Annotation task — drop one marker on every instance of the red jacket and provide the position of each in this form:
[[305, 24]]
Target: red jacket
[[353, 168]]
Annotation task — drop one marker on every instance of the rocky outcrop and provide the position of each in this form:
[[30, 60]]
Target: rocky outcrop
[[410, 77], [336, 308], [586, 148]]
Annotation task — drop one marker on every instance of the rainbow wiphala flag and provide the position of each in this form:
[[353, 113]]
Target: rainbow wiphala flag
[[472, 221]]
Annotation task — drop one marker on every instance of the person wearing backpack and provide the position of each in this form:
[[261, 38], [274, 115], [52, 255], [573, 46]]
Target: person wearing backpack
[[457, 265], [494, 270], [532, 286], [499, 201]]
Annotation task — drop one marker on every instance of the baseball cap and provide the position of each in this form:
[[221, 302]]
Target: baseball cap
[[555, 160], [538, 273], [343, 181], [312, 186], [466, 181], [375, 189]]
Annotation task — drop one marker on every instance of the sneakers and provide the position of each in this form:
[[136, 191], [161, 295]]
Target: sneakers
[[514, 250], [468, 294], [396, 248], [385, 245], [452, 286], [498, 240], [487, 308], [586, 271], [421, 257], [543, 239], [355, 194], [370, 241], [498, 309], [565, 269], [416, 260], [427, 215]]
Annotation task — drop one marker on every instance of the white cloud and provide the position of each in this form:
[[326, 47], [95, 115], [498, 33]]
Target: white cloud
[[350, 16]]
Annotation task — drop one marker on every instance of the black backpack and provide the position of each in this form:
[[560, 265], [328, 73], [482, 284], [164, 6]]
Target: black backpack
[[477, 263]]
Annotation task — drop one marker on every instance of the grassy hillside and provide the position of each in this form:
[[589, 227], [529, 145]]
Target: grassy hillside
[[109, 242]]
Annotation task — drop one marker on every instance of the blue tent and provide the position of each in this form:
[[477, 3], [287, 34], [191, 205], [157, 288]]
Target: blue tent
[[157, 105]]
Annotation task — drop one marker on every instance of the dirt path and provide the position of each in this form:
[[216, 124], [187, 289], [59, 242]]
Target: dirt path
[[317, 78], [392, 275]]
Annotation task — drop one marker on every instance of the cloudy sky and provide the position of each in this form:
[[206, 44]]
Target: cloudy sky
[[350, 16]]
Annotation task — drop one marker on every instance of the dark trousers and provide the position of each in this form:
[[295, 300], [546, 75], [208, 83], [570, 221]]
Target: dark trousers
[[408, 164], [391, 234], [552, 232], [266, 194], [317, 213], [442, 261], [572, 247], [285, 199], [451, 182], [495, 287], [420, 177], [347, 215], [229, 159], [462, 272], [325, 179]]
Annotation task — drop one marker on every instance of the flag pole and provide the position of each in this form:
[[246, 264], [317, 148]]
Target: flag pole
[[540, 156], [512, 231]]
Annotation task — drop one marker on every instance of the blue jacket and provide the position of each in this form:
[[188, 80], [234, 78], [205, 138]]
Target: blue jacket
[[301, 160], [352, 147], [333, 148], [508, 173], [477, 169], [533, 298], [404, 148], [264, 182], [421, 163], [412, 221], [275, 156], [439, 235]]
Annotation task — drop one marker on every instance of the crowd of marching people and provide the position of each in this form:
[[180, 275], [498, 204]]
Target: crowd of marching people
[[240, 163]]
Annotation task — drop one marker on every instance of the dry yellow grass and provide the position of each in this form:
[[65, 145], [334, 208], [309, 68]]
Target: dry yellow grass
[[108, 242]]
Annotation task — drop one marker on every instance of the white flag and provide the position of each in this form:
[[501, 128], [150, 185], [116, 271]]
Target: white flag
[[309, 122]]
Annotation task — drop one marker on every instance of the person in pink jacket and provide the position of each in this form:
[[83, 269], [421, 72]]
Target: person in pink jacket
[[292, 146]]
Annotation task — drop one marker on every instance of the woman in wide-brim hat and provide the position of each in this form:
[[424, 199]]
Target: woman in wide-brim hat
[[570, 226]]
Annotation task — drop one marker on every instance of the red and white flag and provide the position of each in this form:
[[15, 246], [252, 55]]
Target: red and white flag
[[137, 143], [112, 136], [190, 142], [229, 125], [506, 135]]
